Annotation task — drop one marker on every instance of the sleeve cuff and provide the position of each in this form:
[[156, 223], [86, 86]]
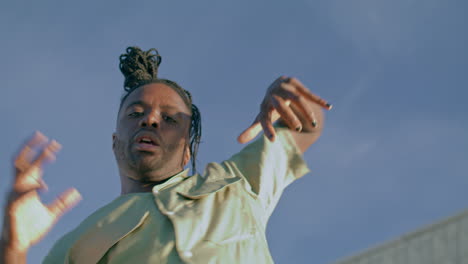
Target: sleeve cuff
[[298, 166]]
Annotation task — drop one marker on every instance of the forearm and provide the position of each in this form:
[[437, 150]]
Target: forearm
[[11, 256]]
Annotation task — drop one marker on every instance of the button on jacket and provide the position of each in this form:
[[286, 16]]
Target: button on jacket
[[217, 217]]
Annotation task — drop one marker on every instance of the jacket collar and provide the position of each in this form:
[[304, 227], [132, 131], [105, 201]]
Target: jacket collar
[[193, 188], [106, 229], [119, 222]]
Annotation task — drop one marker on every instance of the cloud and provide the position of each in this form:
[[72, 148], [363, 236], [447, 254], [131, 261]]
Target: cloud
[[358, 151], [380, 27]]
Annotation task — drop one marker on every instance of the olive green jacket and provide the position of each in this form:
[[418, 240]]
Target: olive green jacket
[[218, 217]]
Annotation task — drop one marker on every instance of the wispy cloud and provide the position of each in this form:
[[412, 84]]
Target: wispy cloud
[[358, 151], [379, 26]]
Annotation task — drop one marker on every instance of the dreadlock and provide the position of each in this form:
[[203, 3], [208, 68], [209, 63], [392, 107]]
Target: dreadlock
[[140, 68]]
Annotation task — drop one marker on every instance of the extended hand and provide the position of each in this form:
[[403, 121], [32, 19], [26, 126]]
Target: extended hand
[[27, 219], [284, 98]]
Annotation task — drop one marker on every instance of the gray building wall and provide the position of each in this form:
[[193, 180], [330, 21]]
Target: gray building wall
[[445, 242]]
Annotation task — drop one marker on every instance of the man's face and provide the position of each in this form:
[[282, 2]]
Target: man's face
[[150, 142]]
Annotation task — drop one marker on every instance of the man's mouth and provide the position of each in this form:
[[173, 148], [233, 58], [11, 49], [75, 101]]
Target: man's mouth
[[145, 143]]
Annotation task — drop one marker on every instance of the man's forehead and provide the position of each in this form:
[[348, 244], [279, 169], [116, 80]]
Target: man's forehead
[[158, 93], [143, 103]]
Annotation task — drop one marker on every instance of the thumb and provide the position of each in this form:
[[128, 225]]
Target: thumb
[[250, 133], [65, 202]]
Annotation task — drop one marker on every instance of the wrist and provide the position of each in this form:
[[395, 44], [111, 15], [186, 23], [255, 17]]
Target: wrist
[[8, 254]]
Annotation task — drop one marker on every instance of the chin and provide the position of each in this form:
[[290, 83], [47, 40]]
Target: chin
[[142, 174], [144, 159], [146, 165]]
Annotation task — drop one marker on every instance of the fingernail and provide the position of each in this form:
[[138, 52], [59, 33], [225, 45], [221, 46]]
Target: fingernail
[[39, 134], [76, 195], [314, 123], [55, 146], [299, 128], [329, 106]]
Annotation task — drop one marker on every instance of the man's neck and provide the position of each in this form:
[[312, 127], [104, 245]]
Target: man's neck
[[129, 185]]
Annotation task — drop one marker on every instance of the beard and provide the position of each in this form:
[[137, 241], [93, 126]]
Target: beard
[[138, 165]]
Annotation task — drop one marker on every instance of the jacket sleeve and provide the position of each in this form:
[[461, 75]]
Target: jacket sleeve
[[269, 167]]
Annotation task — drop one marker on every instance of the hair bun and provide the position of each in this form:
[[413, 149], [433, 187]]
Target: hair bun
[[139, 67]]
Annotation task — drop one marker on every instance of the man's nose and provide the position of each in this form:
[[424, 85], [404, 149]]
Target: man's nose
[[149, 120]]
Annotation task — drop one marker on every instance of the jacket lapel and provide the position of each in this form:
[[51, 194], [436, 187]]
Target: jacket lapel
[[101, 236], [192, 188], [207, 188]]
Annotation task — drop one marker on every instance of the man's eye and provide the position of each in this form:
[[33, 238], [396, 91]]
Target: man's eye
[[135, 114], [169, 119]]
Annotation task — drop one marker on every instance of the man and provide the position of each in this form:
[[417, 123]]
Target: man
[[163, 215]]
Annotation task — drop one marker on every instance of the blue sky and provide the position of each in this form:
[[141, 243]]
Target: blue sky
[[393, 153]]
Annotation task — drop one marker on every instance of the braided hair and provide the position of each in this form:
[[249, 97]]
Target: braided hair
[[140, 68]]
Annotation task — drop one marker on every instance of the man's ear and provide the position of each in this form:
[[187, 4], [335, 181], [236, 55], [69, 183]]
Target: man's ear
[[114, 137], [186, 155]]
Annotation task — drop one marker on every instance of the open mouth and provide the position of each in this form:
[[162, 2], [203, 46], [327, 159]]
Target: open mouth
[[146, 143], [146, 140]]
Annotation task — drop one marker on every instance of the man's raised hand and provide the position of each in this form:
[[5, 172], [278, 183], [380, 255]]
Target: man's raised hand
[[286, 98], [27, 220]]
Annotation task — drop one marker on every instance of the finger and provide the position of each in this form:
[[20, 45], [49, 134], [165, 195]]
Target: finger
[[32, 177], [288, 92], [250, 133], [267, 126], [309, 95], [31, 182], [286, 113], [26, 154], [299, 102], [302, 105], [43, 185], [65, 202], [48, 153], [314, 119], [256, 127]]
